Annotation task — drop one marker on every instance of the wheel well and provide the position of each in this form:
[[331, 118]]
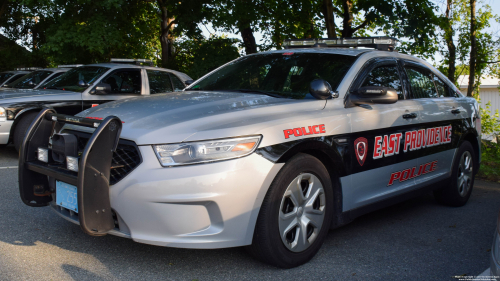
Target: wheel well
[[17, 119], [333, 170], [472, 138]]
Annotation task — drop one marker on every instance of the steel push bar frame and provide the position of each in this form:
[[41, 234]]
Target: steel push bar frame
[[92, 179]]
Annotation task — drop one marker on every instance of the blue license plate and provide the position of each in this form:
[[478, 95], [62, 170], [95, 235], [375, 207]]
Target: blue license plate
[[66, 196]]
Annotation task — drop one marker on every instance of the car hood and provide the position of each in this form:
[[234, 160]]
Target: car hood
[[195, 115], [15, 95]]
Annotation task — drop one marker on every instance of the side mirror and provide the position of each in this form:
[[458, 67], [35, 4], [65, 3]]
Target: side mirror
[[188, 82], [321, 89], [373, 95], [82, 83], [102, 89]]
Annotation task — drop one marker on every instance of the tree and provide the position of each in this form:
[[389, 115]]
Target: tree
[[87, 31], [473, 47], [413, 20], [447, 26], [197, 57], [185, 16]]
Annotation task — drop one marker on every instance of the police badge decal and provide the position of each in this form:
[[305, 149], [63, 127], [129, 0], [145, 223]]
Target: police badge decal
[[361, 149]]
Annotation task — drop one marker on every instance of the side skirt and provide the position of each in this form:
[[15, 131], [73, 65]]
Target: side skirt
[[348, 216]]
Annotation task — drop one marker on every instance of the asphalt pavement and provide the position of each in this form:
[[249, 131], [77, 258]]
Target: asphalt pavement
[[415, 240]]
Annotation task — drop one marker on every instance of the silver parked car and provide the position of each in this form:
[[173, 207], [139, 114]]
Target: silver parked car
[[268, 151]]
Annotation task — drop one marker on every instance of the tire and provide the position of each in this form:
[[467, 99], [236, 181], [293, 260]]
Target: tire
[[22, 127], [284, 206], [458, 191]]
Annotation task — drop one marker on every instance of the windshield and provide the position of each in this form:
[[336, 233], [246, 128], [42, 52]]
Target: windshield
[[4, 76], [285, 75], [30, 81], [69, 80]]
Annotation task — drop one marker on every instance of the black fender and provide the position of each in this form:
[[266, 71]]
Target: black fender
[[469, 133], [20, 114], [331, 151]]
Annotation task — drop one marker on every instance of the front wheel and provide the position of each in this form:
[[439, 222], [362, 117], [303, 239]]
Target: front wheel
[[295, 215], [459, 189]]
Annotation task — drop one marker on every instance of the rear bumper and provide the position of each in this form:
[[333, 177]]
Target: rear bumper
[[5, 127]]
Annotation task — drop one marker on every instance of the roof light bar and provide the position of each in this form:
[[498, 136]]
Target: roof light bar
[[69, 65], [133, 61], [383, 43], [28, 68]]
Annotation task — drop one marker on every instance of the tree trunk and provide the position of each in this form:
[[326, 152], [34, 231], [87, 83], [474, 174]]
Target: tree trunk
[[165, 37], [329, 18], [473, 48], [248, 38], [448, 36], [347, 30], [277, 38]]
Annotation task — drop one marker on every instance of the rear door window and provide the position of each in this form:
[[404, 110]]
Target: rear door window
[[127, 81], [159, 82], [421, 82], [442, 89]]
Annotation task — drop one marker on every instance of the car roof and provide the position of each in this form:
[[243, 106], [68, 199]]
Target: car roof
[[181, 75], [17, 71], [370, 53]]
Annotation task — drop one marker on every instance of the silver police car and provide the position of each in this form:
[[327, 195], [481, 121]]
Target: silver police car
[[269, 151]]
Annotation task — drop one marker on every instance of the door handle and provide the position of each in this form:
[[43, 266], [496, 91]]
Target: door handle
[[455, 111], [410, 116]]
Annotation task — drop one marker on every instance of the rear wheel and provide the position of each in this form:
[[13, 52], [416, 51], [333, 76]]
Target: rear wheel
[[296, 214], [22, 127], [458, 192]]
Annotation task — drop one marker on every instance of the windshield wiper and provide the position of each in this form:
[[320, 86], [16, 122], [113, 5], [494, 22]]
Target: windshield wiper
[[51, 88]]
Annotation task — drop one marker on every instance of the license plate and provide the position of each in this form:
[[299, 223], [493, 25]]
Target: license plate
[[66, 196]]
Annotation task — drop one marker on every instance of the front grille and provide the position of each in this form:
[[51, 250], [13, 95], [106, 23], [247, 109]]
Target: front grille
[[125, 158]]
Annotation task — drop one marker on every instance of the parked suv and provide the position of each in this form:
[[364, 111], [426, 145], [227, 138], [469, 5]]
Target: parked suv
[[82, 88], [269, 151], [9, 76], [36, 79]]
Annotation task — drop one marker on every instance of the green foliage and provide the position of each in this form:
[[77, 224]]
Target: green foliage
[[490, 161], [94, 31], [200, 56], [487, 44], [490, 123]]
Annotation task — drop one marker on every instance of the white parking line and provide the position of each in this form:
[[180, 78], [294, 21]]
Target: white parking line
[[11, 167]]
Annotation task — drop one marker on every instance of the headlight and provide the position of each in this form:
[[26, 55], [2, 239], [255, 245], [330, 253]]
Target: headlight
[[205, 151], [3, 114]]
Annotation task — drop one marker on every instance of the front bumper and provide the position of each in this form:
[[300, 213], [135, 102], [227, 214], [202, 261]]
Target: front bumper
[[5, 127], [206, 206]]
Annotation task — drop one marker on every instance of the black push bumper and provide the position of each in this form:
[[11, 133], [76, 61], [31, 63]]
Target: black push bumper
[[92, 180]]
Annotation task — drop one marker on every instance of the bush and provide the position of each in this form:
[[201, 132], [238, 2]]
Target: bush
[[490, 161]]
